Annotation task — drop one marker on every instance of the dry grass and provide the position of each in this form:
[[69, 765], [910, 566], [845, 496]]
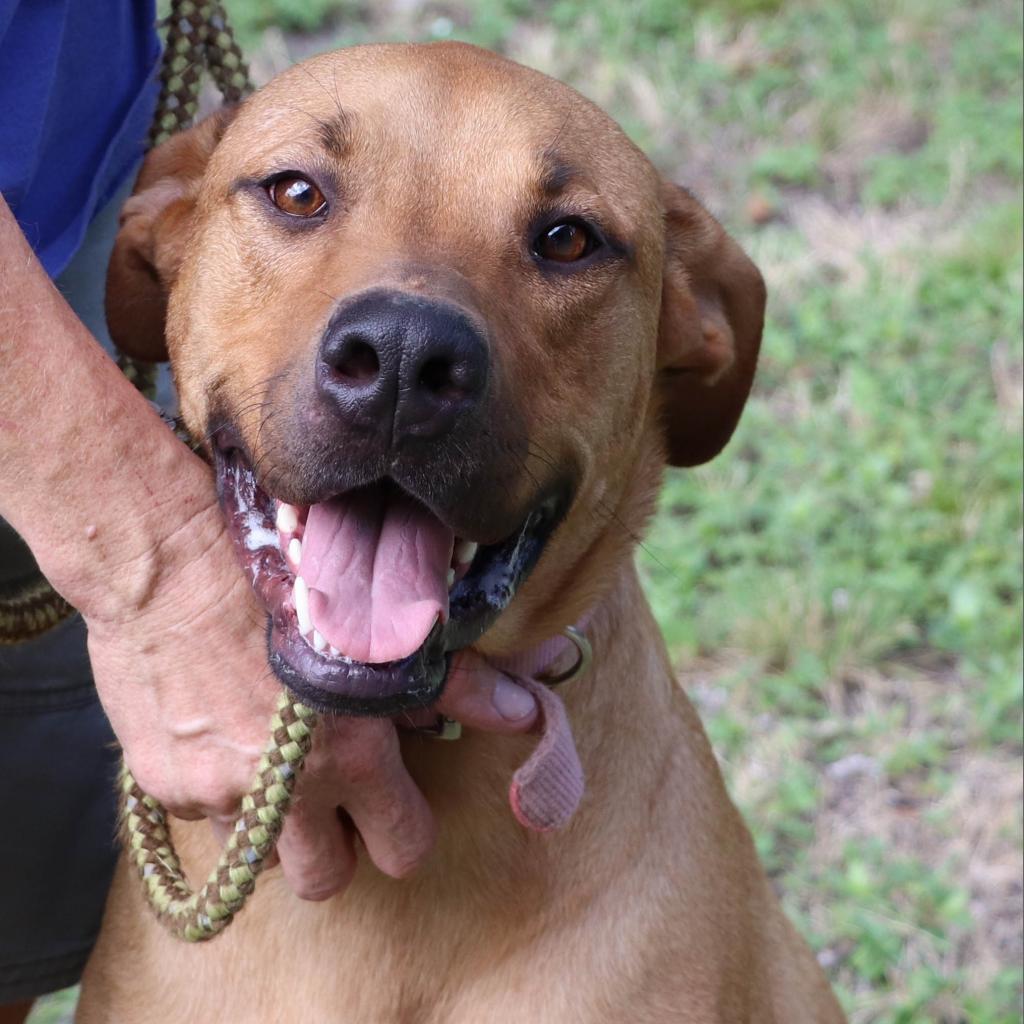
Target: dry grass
[[965, 826]]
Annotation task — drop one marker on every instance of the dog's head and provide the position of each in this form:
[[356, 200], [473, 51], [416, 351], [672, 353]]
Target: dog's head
[[439, 324]]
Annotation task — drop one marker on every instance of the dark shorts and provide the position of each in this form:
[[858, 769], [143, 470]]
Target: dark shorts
[[58, 763], [57, 850]]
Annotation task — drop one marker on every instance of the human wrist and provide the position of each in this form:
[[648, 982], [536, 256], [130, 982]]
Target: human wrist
[[108, 542], [147, 557]]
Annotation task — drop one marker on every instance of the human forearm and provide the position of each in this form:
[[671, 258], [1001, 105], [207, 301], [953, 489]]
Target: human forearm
[[89, 476]]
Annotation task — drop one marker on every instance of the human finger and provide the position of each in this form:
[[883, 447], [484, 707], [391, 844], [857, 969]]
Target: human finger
[[391, 814], [316, 850], [481, 697]]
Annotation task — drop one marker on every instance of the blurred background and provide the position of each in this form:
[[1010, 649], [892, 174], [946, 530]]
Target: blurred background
[[841, 589]]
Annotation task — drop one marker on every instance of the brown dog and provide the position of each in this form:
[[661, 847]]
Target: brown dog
[[426, 285]]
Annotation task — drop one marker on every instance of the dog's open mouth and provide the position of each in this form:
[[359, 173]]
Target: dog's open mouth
[[369, 592]]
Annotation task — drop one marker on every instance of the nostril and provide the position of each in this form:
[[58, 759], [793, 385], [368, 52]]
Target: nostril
[[436, 376], [358, 363]]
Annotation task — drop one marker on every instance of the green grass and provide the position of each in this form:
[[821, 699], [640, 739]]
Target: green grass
[[842, 587], [58, 1008]]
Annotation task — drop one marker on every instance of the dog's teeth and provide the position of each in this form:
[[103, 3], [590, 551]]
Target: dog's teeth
[[465, 551], [319, 643], [334, 652], [295, 551], [451, 578], [287, 518], [301, 597]]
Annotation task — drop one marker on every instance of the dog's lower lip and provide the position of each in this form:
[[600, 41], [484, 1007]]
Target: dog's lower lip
[[268, 536], [341, 685]]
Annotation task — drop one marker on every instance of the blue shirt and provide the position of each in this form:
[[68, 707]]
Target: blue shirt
[[78, 84]]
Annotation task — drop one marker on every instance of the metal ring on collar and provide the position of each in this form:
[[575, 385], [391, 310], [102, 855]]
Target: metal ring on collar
[[449, 729], [444, 728], [584, 656]]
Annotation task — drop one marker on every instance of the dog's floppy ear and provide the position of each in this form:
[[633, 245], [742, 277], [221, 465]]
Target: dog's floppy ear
[[155, 225], [712, 314]]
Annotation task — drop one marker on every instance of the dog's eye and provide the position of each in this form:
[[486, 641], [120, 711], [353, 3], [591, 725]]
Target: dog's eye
[[296, 196], [565, 242]]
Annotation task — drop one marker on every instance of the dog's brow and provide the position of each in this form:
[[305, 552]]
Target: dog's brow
[[555, 175], [336, 132]]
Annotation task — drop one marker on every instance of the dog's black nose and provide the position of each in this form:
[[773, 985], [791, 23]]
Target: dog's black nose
[[403, 365]]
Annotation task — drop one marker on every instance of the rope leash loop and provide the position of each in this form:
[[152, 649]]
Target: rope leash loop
[[29, 608], [199, 39], [196, 916]]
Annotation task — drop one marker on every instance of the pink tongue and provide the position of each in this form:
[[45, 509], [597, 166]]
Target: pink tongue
[[376, 564]]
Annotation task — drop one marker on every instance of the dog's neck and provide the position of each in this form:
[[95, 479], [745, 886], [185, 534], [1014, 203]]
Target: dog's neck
[[632, 727]]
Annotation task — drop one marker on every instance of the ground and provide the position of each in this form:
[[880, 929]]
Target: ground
[[842, 588]]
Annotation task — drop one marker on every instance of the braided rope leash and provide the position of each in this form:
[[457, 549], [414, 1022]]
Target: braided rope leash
[[199, 39], [196, 916], [28, 609]]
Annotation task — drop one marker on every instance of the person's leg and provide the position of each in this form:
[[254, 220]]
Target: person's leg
[[59, 815]]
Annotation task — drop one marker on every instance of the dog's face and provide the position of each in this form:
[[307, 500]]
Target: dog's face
[[438, 321]]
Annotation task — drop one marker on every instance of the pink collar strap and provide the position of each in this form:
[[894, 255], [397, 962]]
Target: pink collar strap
[[548, 787]]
